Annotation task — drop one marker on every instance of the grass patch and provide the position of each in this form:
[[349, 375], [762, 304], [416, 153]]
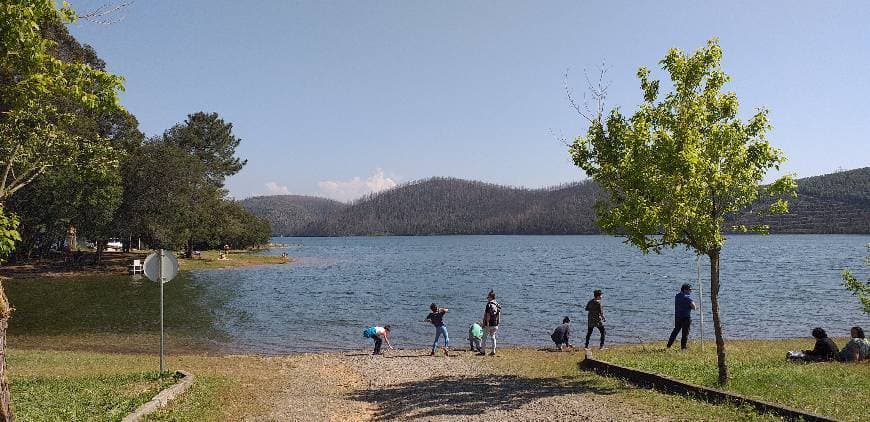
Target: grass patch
[[758, 369], [93, 397], [537, 364], [79, 385], [210, 260]]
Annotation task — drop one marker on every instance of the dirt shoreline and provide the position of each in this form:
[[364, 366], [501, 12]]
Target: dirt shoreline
[[411, 385]]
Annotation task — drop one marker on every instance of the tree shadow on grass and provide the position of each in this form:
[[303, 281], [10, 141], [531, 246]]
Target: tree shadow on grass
[[457, 396]]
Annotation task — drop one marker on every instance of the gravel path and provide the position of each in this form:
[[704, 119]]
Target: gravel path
[[410, 385]]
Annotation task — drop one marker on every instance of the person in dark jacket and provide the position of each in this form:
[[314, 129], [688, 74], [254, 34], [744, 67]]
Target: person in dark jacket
[[596, 318], [562, 333], [824, 350], [683, 307]]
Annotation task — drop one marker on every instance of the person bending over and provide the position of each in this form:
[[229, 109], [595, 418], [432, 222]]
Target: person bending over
[[379, 335], [562, 333]]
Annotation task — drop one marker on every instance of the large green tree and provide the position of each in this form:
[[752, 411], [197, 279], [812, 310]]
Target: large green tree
[[681, 164], [38, 125], [209, 140]]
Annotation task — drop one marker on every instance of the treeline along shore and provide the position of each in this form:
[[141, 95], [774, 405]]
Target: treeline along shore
[[837, 203]]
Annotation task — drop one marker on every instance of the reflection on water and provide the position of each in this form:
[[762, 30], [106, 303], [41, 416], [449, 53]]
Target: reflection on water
[[114, 305], [775, 286]]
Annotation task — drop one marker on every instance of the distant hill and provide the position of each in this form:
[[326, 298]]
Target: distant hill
[[455, 206], [289, 215], [834, 203]]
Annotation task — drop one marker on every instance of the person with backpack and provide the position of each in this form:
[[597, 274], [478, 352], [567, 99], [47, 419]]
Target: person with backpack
[[561, 333], [379, 335], [437, 319], [475, 334], [491, 316], [595, 318]]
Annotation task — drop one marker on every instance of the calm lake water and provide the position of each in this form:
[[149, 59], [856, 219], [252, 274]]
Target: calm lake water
[[774, 286]]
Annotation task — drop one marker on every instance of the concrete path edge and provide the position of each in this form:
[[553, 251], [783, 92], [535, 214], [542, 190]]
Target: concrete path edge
[[711, 395], [185, 380]]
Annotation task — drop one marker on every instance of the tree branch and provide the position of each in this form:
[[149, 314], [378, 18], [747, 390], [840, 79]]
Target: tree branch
[[8, 169], [14, 187], [106, 14]]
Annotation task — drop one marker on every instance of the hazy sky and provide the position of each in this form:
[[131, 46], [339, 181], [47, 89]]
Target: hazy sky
[[341, 98]]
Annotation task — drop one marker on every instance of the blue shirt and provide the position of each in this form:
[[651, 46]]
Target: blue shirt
[[683, 305]]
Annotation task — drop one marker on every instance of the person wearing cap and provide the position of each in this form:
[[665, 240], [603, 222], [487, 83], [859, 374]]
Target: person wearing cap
[[683, 306]]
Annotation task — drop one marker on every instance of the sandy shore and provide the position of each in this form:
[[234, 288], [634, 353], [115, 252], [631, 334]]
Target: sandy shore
[[410, 385]]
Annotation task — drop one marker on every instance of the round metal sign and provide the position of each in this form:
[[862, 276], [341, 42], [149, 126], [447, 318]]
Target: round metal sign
[[156, 268]]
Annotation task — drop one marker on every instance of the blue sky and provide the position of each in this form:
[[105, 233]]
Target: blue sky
[[341, 98]]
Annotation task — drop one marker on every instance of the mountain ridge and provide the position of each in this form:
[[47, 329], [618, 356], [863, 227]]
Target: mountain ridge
[[832, 203]]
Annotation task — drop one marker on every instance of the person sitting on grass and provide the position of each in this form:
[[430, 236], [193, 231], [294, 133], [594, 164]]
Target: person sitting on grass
[[561, 333], [824, 350], [475, 334], [437, 319], [379, 335], [857, 349]]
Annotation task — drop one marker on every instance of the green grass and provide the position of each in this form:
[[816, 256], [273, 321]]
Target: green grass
[[80, 385], [758, 369], [210, 260], [534, 363], [93, 398]]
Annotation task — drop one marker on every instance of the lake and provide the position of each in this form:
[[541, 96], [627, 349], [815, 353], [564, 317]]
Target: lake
[[772, 287]]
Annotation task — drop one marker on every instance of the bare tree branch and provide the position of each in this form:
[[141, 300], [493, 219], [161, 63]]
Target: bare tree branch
[[598, 92], [107, 14]]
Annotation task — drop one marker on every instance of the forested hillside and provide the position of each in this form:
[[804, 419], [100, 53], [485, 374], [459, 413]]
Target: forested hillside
[[454, 206], [834, 203], [290, 215], [831, 203]]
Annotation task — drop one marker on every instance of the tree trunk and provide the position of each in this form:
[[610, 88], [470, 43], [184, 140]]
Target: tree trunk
[[717, 323], [101, 246], [188, 251], [5, 394]]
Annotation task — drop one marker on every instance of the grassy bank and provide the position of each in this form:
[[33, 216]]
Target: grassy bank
[[210, 260], [758, 369], [564, 365]]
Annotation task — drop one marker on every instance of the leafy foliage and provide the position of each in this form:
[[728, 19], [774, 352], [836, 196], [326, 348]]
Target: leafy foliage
[[40, 96], [208, 138], [857, 287], [682, 163], [8, 233]]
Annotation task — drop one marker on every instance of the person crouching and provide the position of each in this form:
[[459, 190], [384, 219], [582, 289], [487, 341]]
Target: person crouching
[[561, 333]]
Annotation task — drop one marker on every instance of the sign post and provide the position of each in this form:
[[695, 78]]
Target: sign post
[[161, 267]]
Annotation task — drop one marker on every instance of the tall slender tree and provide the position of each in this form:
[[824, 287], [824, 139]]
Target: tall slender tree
[[681, 164]]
